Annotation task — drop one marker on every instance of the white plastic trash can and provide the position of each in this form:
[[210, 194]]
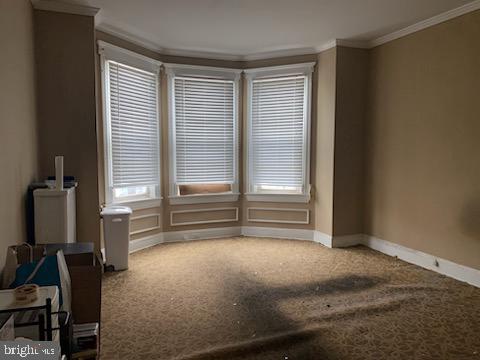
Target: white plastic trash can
[[116, 234]]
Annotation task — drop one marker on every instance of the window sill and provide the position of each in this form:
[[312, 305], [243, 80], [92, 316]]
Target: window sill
[[282, 198], [140, 204], [203, 198]]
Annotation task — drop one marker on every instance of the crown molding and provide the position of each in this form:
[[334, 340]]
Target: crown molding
[[361, 44], [149, 45], [448, 15], [182, 67], [57, 6], [327, 46], [358, 44], [202, 54], [279, 54], [146, 44]]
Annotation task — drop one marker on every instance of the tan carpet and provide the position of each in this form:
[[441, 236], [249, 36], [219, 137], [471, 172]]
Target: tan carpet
[[249, 298]]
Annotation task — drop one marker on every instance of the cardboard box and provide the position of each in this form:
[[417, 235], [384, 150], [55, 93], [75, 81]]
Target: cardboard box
[[86, 277]]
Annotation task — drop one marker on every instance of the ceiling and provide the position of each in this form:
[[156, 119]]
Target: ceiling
[[248, 29]]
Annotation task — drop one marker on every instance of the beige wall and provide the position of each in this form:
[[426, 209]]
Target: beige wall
[[351, 97], [65, 51], [18, 135], [325, 135], [423, 154]]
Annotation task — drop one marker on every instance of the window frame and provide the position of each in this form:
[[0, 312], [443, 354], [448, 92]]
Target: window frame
[[109, 52], [305, 69], [180, 70]]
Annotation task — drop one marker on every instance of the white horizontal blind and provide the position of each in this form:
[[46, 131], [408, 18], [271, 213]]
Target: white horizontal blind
[[133, 126], [278, 133], [204, 130]]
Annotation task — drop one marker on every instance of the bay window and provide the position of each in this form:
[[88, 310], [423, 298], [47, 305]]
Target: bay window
[[203, 131]]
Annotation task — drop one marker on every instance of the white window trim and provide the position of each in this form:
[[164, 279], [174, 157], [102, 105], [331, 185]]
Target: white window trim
[[140, 204], [114, 53], [173, 70], [265, 72], [280, 197]]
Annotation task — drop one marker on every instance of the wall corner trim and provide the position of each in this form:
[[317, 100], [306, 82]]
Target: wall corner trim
[[57, 6], [343, 241], [322, 238]]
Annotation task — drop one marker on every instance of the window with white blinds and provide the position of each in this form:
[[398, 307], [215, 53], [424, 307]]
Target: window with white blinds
[[203, 132], [278, 136], [132, 132]]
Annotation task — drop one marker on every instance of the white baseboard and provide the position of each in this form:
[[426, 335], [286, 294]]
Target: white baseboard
[[322, 238], [343, 241], [427, 261], [202, 234], [281, 233], [145, 242], [337, 241], [419, 258], [141, 243], [173, 236]]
